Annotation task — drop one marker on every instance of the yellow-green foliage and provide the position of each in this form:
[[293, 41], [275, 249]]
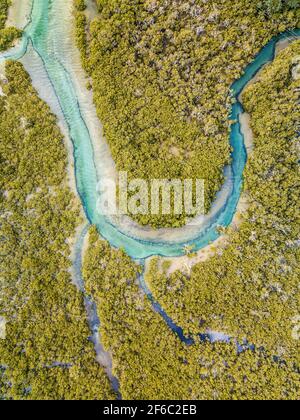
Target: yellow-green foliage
[[46, 353], [272, 7], [152, 363], [81, 30], [4, 5], [161, 77], [81, 37], [251, 290], [80, 5], [7, 35]]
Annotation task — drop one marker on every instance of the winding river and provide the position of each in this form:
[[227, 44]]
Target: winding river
[[48, 52]]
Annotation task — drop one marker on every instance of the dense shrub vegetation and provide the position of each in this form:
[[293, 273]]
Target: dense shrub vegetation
[[250, 290], [7, 35], [150, 360], [46, 353], [139, 61], [161, 75], [271, 7], [81, 30], [80, 5]]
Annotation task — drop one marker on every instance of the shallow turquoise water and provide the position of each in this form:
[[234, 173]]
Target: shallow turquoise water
[[40, 32]]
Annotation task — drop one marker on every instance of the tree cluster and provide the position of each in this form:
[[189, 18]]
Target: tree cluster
[[46, 353], [7, 35]]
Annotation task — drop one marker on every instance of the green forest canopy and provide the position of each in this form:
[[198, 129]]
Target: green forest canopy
[[161, 75], [152, 363], [250, 289]]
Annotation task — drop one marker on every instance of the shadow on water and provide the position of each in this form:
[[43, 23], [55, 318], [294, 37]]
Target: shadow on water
[[206, 337]]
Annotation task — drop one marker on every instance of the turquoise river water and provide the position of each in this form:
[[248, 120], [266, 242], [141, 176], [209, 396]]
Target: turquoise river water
[[42, 46], [39, 32]]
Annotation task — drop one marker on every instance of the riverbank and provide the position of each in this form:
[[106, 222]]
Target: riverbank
[[103, 357], [78, 242], [19, 16], [19, 13]]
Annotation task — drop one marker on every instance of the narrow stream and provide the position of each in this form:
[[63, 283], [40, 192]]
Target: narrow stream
[[102, 356]]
